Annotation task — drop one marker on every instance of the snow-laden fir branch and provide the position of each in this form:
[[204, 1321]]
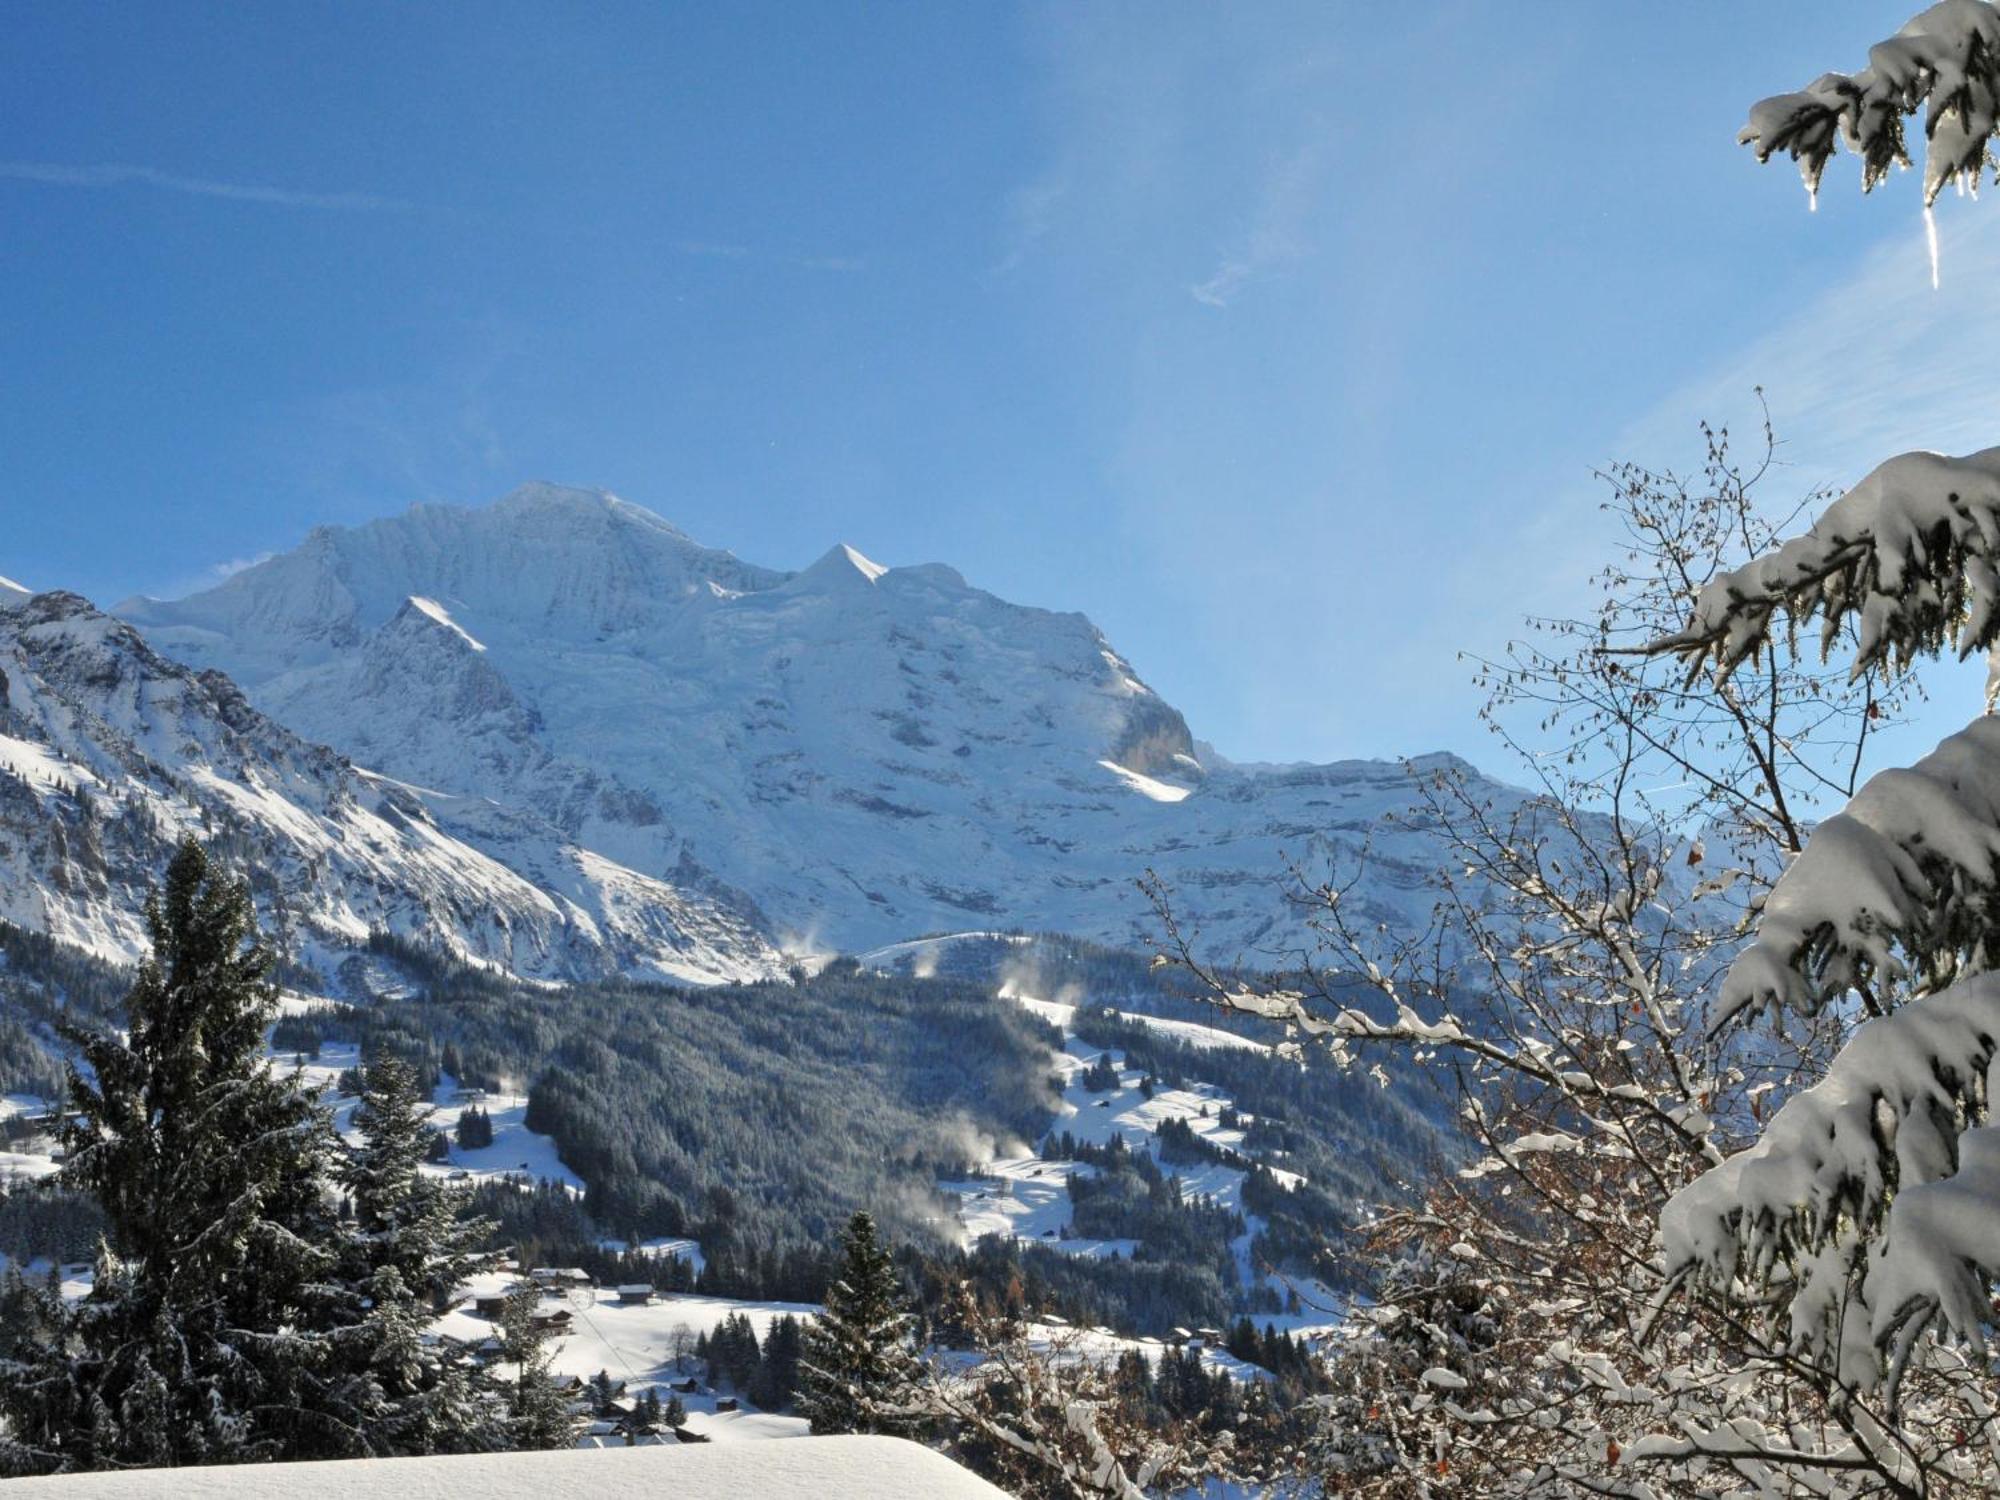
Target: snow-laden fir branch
[[1900, 885], [1910, 557], [1945, 61], [1886, 1150]]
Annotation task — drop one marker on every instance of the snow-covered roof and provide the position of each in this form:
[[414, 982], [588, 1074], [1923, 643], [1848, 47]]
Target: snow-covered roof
[[823, 1468]]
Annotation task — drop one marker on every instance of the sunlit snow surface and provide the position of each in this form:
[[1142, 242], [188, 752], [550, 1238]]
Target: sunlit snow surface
[[439, 613], [824, 1468], [40, 766], [27, 1159], [1147, 786]]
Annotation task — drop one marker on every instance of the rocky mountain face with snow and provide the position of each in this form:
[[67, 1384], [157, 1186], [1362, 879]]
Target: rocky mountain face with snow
[[110, 753], [573, 687]]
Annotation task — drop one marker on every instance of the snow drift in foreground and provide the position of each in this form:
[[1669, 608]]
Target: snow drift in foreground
[[824, 1468]]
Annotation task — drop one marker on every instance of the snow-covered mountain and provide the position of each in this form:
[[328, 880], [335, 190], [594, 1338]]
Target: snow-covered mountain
[[870, 752], [109, 753]]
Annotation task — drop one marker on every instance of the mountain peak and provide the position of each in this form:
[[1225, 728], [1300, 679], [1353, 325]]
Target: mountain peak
[[426, 614], [540, 497], [541, 493], [843, 564], [871, 751]]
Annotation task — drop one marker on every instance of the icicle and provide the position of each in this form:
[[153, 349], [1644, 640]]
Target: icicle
[[1930, 236]]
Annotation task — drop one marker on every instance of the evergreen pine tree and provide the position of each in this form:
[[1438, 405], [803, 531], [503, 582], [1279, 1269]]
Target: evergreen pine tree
[[1858, 1234], [603, 1391], [856, 1367], [408, 1248], [31, 1316], [734, 1353], [475, 1128], [538, 1413], [199, 1341], [776, 1378]]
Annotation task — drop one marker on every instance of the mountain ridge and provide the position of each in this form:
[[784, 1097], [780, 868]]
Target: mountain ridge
[[110, 753], [870, 752]]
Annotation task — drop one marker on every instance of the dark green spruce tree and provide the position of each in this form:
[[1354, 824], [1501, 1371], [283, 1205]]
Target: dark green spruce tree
[[856, 1370], [234, 1317], [776, 1379], [409, 1246], [200, 1341], [538, 1412]]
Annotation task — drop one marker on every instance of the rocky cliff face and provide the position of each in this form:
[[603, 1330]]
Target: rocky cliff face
[[110, 753]]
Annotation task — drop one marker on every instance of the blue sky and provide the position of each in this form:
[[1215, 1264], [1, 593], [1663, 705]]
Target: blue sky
[[1279, 338]]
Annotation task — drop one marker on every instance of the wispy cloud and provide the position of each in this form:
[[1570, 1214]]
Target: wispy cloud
[[231, 567], [1221, 288], [208, 577], [127, 174], [722, 250], [1030, 212], [1276, 236], [1873, 364]]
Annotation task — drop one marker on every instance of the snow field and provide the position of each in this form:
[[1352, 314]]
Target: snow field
[[41, 768], [516, 1155], [28, 1158], [823, 1468]]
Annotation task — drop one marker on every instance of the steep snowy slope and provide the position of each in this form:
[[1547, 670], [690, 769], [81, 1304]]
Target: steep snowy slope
[[871, 752], [109, 753]]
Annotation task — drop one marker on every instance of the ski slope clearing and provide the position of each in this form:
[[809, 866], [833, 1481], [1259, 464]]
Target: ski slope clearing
[[1027, 1198], [1061, 1013], [650, 1347], [30, 1156], [1100, 1346], [517, 1154], [663, 1249], [924, 957], [823, 1468]]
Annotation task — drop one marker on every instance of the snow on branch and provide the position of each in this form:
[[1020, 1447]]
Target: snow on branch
[[1906, 876], [1942, 1247], [1908, 556], [1946, 61], [1892, 1133]]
